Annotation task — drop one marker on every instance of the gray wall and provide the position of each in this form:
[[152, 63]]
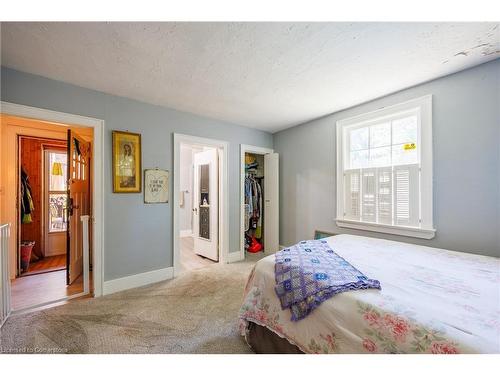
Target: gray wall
[[138, 237], [466, 139]]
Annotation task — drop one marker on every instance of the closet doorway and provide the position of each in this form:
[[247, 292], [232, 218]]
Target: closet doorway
[[200, 221], [259, 201]]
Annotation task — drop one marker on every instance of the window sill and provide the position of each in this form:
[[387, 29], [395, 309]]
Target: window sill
[[389, 229]]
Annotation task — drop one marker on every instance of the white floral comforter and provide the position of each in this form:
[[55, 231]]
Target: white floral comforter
[[432, 301]]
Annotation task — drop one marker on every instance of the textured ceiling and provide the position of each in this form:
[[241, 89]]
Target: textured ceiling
[[268, 76]]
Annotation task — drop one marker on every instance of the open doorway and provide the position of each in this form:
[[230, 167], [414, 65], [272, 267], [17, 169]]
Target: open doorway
[[52, 193], [259, 233], [200, 205], [42, 182]]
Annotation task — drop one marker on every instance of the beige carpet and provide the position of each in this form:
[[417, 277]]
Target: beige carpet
[[194, 313]]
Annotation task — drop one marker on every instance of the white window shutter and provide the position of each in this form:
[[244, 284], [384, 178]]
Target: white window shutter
[[406, 195], [369, 195], [384, 192], [352, 186]]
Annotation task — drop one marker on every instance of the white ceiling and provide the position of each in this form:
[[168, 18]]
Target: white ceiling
[[268, 76]]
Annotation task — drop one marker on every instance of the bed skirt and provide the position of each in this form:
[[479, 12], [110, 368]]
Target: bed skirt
[[264, 341]]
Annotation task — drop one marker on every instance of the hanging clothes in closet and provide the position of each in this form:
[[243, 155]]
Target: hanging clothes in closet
[[253, 201], [253, 206], [27, 205]]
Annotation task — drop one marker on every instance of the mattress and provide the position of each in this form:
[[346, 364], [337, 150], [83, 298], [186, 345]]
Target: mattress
[[431, 301]]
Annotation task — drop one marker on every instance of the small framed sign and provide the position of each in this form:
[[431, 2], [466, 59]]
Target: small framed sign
[[155, 186]]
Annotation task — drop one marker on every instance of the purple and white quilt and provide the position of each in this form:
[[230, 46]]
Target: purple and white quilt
[[310, 272]]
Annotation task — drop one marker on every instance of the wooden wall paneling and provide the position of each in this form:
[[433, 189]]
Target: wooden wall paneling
[[32, 161]]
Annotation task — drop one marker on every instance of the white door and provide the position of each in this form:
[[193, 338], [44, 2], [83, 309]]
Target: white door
[[205, 204], [271, 203]]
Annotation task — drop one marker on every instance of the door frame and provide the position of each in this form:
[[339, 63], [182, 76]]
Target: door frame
[[223, 148], [243, 150], [97, 221]]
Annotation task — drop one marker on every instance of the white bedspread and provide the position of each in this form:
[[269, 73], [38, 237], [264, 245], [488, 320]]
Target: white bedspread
[[432, 301]]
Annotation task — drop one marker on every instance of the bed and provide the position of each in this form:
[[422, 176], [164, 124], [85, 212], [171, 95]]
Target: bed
[[432, 301]]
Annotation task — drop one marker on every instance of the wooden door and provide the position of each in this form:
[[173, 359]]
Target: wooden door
[[79, 153]]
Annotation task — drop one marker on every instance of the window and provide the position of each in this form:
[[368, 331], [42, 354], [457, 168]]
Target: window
[[384, 170], [57, 191]]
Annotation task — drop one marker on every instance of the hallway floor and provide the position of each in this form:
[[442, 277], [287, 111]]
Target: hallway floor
[[47, 264], [189, 259], [28, 291]]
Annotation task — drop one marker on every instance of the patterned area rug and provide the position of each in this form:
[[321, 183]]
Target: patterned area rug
[[194, 313]]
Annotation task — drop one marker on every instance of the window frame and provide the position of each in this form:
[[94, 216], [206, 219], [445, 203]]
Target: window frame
[[423, 108]]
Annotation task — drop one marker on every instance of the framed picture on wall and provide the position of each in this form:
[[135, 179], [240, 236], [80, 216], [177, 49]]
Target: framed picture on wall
[[127, 169], [155, 186]]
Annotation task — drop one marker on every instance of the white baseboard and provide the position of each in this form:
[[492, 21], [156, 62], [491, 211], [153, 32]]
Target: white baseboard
[[135, 281], [234, 257], [186, 233]]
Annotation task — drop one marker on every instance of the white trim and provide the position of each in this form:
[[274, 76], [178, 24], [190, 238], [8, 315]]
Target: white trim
[[386, 111], [426, 163], [390, 229], [140, 279], [223, 195], [223, 214], [85, 235], [5, 293], [185, 233], [234, 257], [424, 104], [65, 119], [243, 150]]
